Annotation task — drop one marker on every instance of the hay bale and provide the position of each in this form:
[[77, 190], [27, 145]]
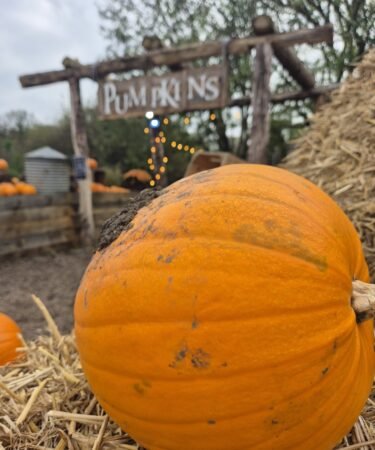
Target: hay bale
[[338, 151], [46, 403]]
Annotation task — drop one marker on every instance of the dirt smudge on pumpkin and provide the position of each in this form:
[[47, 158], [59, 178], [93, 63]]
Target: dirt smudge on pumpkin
[[200, 359], [85, 300], [194, 323], [123, 220], [180, 356], [325, 370], [139, 388], [168, 258], [288, 242], [142, 386], [211, 422]]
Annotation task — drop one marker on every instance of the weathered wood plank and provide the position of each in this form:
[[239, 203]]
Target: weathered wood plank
[[13, 217], [168, 56], [259, 137], [109, 199], [34, 201], [33, 242], [25, 228]]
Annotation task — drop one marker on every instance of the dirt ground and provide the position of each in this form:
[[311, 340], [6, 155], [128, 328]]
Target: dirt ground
[[53, 276]]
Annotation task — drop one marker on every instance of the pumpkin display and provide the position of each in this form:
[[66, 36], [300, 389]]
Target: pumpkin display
[[98, 187], [218, 316], [9, 339], [138, 174], [92, 163], [7, 189], [23, 188], [3, 165], [118, 189]]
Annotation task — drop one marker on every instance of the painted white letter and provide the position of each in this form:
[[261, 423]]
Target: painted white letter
[[109, 96], [212, 86]]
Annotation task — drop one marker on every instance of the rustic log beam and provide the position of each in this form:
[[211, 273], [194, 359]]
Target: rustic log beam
[[178, 55], [80, 146], [289, 95], [263, 25], [261, 97]]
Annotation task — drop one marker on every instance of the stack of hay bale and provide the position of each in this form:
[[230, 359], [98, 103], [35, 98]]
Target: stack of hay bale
[[338, 151]]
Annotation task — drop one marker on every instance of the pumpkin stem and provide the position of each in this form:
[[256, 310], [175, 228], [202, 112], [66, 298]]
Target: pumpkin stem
[[363, 300]]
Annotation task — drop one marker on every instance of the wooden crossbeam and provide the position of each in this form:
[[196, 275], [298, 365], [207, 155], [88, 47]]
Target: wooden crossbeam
[[291, 95], [181, 54], [263, 25]]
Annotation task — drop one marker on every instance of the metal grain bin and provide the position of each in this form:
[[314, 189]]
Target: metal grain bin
[[48, 170]]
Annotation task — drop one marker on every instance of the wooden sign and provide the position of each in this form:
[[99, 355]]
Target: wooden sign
[[186, 90]]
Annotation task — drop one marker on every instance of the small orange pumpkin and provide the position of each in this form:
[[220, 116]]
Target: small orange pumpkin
[[3, 165], [7, 189], [223, 311], [9, 339], [92, 163], [25, 188], [98, 187], [139, 174], [118, 189]]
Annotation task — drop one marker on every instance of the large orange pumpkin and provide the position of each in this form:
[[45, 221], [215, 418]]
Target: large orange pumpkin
[[9, 339], [3, 165], [7, 189], [220, 318]]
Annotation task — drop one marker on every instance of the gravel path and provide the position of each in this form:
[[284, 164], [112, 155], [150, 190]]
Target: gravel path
[[53, 276]]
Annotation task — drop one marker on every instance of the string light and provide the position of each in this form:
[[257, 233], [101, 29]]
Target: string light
[[152, 167], [152, 183], [157, 176], [186, 148], [146, 130], [153, 149], [212, 116], [173, 144], [157, 140], [186, 120], [149, 161], [192, 150], [162, 169], [163, 140], [165, 159], [166, 121], [161, 134], [179, 147]]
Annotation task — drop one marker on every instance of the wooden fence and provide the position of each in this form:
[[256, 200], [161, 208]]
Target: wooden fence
[[40, 221]]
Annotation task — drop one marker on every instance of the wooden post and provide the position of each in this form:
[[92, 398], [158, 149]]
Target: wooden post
[[261, 98], [263, 25], [80, 146]]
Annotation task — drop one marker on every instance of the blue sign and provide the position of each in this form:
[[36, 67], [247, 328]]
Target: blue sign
[[79, 167]]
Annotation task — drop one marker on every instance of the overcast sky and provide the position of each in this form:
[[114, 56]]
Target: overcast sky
[[35, 36]]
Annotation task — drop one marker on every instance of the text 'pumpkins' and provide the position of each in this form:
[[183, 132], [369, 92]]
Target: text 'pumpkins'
[[221, 318]]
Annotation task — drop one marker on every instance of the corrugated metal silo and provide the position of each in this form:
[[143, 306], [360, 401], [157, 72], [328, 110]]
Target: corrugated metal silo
[[48, 170]]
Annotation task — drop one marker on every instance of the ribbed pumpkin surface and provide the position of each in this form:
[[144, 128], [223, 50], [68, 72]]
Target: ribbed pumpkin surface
[[9, 340], [221, 319]]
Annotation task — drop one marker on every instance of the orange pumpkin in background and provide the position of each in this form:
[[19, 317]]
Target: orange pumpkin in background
[[9, 339], [223, 313], [92, 163], [7, 189], [3, 165], [25, 188], [98, 187]]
